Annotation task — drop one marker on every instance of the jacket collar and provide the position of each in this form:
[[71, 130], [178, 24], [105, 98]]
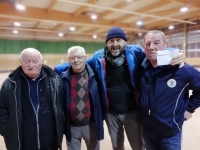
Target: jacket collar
[[145, 63], [16, 74], [66, 74]]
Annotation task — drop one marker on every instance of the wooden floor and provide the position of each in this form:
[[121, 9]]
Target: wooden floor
[[190, 138]]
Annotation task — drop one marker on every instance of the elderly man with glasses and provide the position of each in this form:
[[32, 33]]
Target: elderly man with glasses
[[81, 102]]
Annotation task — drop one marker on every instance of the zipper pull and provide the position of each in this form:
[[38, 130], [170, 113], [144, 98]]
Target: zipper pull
[[149, 111]]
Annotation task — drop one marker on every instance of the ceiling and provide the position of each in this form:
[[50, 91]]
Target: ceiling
[[45, 19]]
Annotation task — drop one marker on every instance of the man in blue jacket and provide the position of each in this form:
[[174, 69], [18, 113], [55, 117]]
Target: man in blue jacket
[[116, 66], [164, 102], [81, 102]]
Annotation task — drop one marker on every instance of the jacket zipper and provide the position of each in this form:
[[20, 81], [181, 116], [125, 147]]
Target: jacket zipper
[[37, 121], [55, 107], [36, 113], [16, 114], [56, 111]]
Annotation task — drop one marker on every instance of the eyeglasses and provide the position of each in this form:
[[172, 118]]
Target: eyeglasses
[[76, 57]]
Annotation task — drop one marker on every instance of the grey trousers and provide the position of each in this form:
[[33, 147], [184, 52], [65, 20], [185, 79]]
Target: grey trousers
[[88, 133], [117, 123]]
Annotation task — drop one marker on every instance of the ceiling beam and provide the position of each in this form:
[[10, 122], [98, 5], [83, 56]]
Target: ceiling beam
[[188, 16], [60, 25], [93, 30], [38, 14], [48, 31], [3, 19], [126, 12], [37, 24], [118, 6], [53, 3], [164, 13], [145, 9], [194, 3], [77, 38], [83, 8]]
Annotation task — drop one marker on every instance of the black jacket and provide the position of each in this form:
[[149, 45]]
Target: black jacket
[[10, 107]]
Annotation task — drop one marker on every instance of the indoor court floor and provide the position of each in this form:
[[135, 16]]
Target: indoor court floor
[[191, 132]]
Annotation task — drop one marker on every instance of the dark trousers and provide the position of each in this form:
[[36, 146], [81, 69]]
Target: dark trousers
[[155, 142], [53, 146]]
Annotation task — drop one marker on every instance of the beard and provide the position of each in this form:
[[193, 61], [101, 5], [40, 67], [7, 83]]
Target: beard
[[113, 48]]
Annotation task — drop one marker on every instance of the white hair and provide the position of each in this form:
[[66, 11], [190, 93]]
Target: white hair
[[75, 48], [155, 32], [30, 50]]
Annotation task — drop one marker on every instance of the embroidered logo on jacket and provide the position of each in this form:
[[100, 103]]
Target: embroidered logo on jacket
[[171, 83]]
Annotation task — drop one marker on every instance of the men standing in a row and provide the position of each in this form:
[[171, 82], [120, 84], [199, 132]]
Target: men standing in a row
[[81, 103], [116, 67], [164, 102], [31, 106]]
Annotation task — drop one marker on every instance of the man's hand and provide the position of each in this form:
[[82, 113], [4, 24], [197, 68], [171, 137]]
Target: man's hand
[[187, 115], [178, 60]]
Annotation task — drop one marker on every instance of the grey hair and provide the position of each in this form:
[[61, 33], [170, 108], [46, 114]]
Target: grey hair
[[30, 50], [156, 31], [75, 48]]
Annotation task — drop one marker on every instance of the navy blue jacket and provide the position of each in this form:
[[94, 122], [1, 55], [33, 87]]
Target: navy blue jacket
[[164, 96], [134, 56], [94, 96]]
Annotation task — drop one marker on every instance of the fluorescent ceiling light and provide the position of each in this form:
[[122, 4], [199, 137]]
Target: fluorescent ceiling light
[[17, 24], [60, 34], [93, 16], [72, 28], [140, 34], [94, 36], [184, 9], [15, 31], [171, 27], [139, 23], [20, 7]]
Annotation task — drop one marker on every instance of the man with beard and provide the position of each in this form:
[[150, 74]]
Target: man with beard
[[116, 66]]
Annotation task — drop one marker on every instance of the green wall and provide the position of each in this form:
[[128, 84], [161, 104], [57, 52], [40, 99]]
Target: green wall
[[45, 47]]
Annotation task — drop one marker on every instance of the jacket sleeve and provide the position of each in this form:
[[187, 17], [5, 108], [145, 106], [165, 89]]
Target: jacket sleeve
[[90, 61], [61, 67], [194, 101], [3, 109], [194, 85], [61, 94], [139, 52], [98, 111]]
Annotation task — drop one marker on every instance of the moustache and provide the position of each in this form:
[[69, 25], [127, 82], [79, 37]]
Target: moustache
[[116, 47], [30, 68]]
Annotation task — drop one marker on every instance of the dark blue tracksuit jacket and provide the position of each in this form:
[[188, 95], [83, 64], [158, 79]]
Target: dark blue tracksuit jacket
[[164, 97]]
